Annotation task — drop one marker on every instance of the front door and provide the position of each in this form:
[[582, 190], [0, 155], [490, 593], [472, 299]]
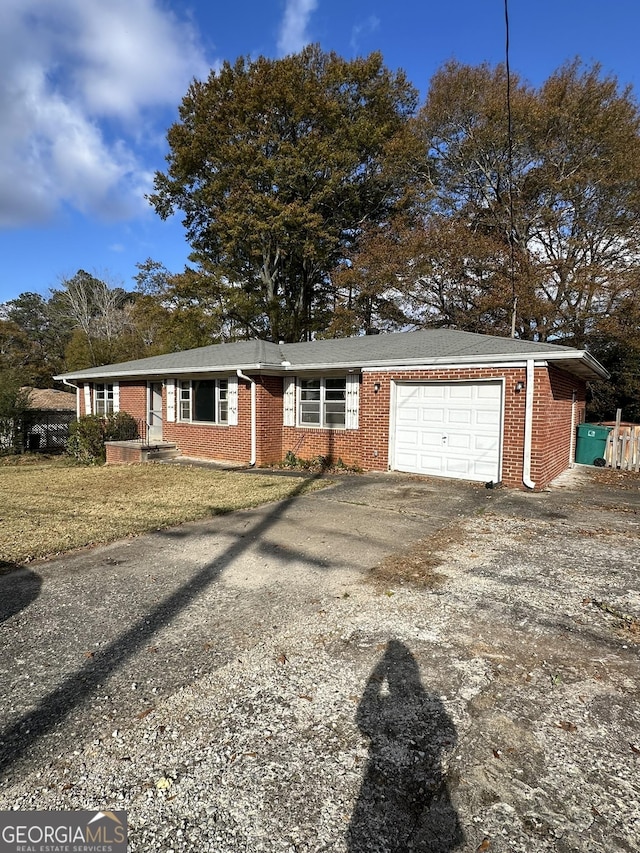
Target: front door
[[154, 418]]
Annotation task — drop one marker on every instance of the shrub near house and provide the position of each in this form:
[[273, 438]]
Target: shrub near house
[[88, 435]]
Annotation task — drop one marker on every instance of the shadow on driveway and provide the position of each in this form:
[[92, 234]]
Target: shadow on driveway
[[75, 689], [18, 589], [404, 801]]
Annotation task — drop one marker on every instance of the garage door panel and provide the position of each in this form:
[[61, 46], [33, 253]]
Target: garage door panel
[[485, 443], [460, 416], [433, 462], [484, 418], [449, 429], [489, 391], [459, 441], [460, 392], [407, 461], [411, 414], [430, 439], [430, 416], [408, 438], [457, 468], [484, 471]]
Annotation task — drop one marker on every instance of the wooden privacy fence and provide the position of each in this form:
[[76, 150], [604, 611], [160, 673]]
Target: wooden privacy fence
[[623, 448]]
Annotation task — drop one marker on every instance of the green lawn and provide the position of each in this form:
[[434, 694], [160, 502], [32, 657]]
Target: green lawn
[[50, 507]]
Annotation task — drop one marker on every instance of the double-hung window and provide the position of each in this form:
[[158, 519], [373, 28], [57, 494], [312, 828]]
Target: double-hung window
[[323, 402], [104, 397], [204, 401]]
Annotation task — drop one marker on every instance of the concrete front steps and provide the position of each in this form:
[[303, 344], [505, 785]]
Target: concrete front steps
[[119, 452], [161, 452]]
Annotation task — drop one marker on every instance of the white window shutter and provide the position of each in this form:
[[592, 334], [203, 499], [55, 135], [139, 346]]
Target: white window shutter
[[352, 401], [87, 398], [289, 401], [116, 397], [232, 400], [170, 385]]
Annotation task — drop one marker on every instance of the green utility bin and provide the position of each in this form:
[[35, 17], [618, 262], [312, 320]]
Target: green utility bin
[[591, 443]]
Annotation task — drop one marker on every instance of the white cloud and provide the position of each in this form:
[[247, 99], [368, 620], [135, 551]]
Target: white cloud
[[77, 81], [293, 31], [366, 28]]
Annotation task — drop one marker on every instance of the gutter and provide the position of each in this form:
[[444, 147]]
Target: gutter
[[77, 387], [528, 425], [241, 375]]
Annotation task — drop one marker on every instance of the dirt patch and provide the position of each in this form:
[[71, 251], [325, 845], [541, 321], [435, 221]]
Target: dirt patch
[[419, 564]]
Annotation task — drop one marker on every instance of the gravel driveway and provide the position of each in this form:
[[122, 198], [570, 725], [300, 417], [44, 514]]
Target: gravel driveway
[[250, 684]]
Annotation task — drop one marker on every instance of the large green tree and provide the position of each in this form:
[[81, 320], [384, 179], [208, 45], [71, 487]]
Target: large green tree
[[177, 311], [47, 328], [276, 165], [550, 214]]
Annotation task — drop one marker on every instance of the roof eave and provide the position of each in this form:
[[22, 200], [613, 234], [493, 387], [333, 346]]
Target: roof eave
[[165, 371], [587, 366]]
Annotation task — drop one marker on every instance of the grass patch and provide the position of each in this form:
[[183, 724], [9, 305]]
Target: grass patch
[[51, 507], [418, 566]]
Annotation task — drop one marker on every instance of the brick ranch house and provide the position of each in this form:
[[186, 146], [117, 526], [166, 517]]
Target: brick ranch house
[[436, 402]]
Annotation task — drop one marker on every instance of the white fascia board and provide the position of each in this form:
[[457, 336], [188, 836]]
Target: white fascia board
[[541, 360], [166, 371], [444, 364], [585, 356], [499, 359]]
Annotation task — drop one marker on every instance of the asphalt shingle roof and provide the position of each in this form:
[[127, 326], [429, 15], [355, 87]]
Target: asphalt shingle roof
[[422, 347]]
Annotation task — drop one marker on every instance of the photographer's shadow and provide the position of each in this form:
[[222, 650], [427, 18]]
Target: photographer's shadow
[[404, 802]]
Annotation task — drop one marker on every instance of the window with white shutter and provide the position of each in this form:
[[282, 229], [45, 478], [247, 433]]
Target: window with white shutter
[[207, 401], [329, 402]]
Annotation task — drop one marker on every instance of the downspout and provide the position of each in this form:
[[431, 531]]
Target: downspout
[[572, 437], [77, 387], [241, 375], [528, 426]]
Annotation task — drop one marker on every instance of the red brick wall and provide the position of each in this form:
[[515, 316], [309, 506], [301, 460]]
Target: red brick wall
[[117, 454], [133, 399], [269, 420], [307, 443], [83, 410], [553, 442]]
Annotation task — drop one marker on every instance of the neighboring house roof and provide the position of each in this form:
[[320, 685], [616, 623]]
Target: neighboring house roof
[[48, 399], [426, 347]]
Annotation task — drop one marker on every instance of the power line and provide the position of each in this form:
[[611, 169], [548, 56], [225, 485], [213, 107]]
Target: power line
[[514, 298]]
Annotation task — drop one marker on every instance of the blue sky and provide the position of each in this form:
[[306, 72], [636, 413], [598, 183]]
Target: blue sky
[[88, 89]]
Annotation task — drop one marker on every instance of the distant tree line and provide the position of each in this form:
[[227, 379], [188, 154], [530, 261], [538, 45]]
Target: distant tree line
[[321, 199]]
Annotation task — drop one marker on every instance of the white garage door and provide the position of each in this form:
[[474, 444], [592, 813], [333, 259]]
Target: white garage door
[[449, 429]]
